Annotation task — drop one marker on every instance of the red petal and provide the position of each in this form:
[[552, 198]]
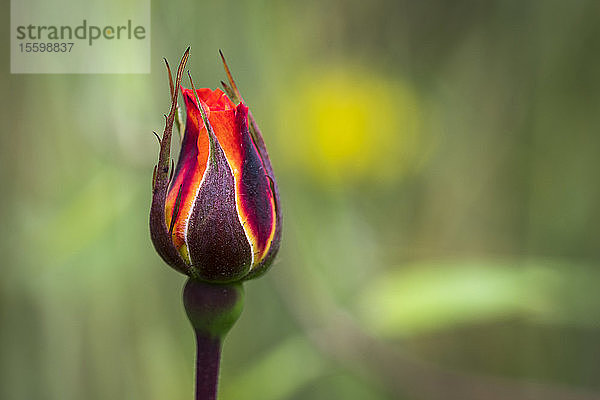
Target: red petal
[[256, 204]]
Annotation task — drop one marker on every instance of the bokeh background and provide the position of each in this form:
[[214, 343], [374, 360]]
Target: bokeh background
[[439, 166]]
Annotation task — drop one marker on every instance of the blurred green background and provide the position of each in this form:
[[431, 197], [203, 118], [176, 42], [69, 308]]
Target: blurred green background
[[439, 169]]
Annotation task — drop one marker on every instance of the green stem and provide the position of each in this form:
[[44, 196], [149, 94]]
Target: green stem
[[212, 310]]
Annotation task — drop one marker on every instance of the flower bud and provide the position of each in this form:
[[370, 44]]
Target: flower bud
[[217, 218]]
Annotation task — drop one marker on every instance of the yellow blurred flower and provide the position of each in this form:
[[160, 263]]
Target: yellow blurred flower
[[348, 124]]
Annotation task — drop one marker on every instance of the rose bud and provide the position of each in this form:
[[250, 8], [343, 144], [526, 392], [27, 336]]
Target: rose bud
[[216, 217]]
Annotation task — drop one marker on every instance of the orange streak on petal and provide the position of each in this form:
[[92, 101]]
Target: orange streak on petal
[[189, 172]]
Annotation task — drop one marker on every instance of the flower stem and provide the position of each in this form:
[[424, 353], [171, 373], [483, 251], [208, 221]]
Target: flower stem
[[207, 366], [212, 310]]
